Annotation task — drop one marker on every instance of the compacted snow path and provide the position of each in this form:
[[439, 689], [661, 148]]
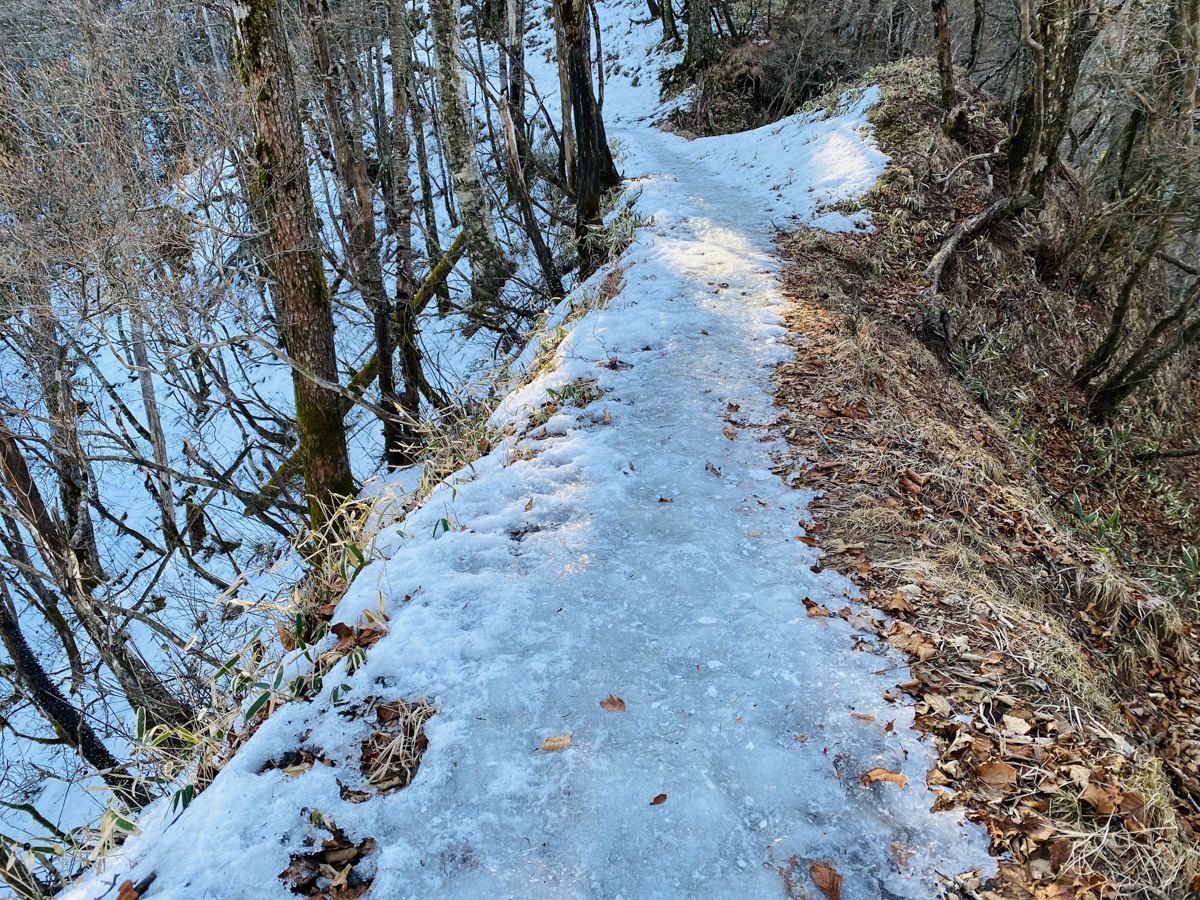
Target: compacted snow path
[[616, 561]]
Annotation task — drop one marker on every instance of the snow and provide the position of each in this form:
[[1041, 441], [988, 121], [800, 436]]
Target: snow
[[566, 578]]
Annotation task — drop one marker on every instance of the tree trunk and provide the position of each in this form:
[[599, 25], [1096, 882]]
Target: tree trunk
[[670, 31], [977, 34], [516, 78], [489, 271], [544, 257], [1057, 34], [402, 452], [356, 196], [945, 60], [595, 171], [701, 42], [266, 70], [433, 245], [158, 441], [569, 155]]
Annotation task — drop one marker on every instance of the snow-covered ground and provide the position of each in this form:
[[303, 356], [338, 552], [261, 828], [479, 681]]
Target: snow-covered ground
[[616, 560]]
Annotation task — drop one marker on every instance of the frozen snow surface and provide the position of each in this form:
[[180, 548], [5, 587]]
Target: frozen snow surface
[[569, 576]]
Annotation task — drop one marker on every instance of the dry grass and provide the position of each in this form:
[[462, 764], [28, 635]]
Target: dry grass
[[1060, 662], [392, 753]]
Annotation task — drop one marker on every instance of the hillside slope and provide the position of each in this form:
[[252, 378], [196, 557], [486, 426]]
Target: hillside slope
[[630, 540]]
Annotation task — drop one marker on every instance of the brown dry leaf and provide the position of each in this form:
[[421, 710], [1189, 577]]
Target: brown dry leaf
[[729, 431], [896, 603], [1102, 798], [827, 879], [555, 743], [997, 774], [665, 500], [863, 717], [806, 540], [884, 775], [606, 419], [709, 467], [529, 505], [815, 610], [127, 891], [659, 800], [937, 778], [613, 704], [1015, 725], [342, 878]]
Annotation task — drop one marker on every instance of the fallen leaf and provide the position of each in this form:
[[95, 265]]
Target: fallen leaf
[[815, 610], [529, 505], [555, 743], [729, 431], [613, 704], [709, 467], [342, 878], [665, 500], [806, 540], [827, 879], [897, 603], [997, 774], [1102, 798], [606, 419], [659, 800], [884, 775], [863, 717], [1015, 725]]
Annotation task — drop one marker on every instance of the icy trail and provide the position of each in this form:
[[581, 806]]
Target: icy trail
[[739, 706]]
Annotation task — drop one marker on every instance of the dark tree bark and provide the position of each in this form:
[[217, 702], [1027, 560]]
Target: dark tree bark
[[356, 196], [595, 171], [67, 721], [667, 15], [265, 65], [945, 59], [977, 34], [701, 42]]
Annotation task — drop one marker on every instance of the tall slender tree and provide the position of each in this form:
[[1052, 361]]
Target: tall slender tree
[[265, 65], [489, 269], [595, 171]]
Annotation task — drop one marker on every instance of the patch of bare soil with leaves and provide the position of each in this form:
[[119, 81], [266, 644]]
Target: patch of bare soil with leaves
[[332, 870], [1061, 691]]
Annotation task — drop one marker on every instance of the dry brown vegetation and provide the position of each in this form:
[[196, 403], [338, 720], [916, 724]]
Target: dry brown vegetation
[[1053, 654]]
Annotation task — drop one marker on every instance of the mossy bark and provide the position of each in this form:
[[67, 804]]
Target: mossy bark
[[701, 42], [1058, 35], [265, 66], [489, 270]]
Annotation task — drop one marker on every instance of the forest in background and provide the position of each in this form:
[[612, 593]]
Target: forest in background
[[256, 254]]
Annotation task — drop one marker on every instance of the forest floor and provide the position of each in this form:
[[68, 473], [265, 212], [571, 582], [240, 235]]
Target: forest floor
[[609, 643]]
